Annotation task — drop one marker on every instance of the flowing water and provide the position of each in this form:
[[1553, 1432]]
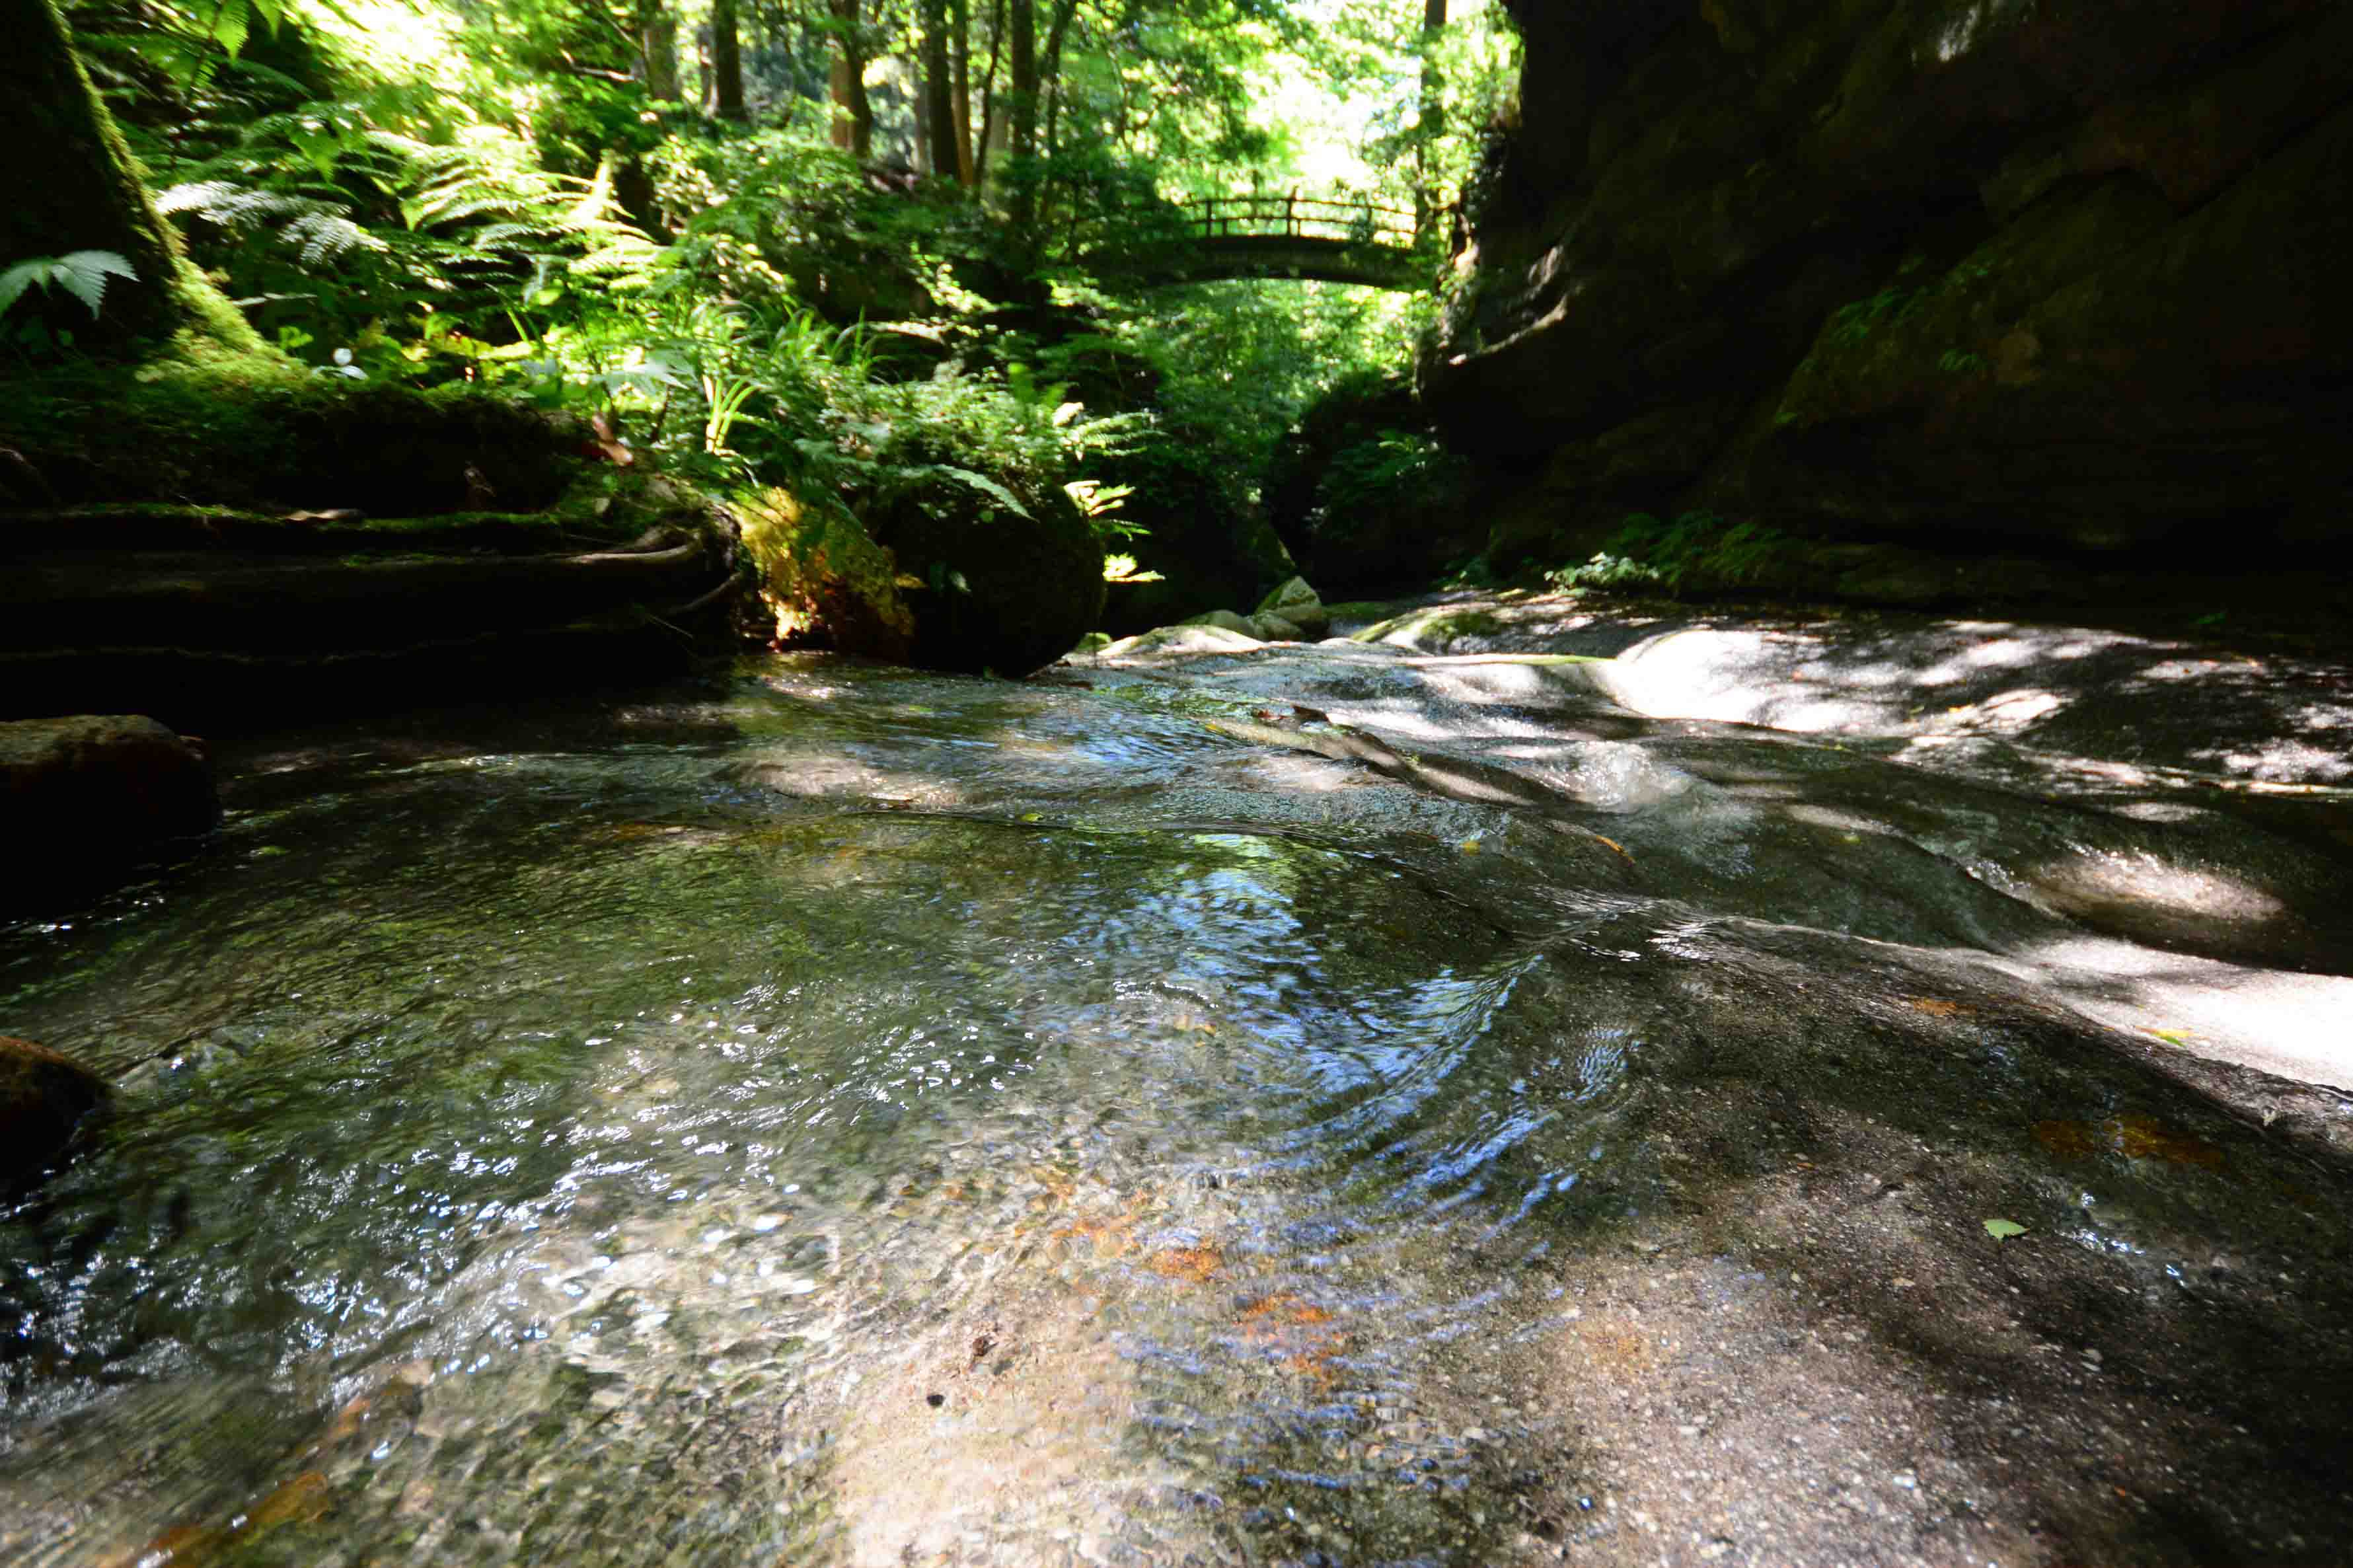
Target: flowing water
[[843, 1115]]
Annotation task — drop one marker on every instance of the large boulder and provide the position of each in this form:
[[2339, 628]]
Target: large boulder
[[84, 797], [2066, 278], [994, 587], [44, 1096]]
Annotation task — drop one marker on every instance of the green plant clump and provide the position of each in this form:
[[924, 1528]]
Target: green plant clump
[[1648, 555]]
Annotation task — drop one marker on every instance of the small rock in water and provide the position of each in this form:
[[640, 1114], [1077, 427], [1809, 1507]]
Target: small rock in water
[[44, 1095]]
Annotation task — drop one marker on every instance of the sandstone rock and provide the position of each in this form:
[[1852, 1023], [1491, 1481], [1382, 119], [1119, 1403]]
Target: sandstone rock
[[43, 1096], [1181, 641], [1300, 604], [85, 798], [1000, 592], [1274, 628], [1224, 620], [2061, 274]]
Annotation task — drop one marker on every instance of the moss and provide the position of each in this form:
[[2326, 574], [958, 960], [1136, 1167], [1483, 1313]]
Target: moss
[[256, 431], [823, 579], [1435, 631]]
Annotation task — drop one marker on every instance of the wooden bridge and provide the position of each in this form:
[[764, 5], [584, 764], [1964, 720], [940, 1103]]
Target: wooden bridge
[[1288, 235]]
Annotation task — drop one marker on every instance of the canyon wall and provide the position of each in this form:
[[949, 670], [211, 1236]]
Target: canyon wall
[[2065, 277]]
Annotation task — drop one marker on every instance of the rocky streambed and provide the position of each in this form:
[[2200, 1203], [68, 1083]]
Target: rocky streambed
[[1524, 1086]]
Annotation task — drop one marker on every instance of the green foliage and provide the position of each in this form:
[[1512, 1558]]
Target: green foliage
[[418, 195], [1647, 556], [1852, 324], [1390, 465], [82, 274]]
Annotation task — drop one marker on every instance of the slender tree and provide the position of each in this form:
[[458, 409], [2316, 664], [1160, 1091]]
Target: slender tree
[[69, 186], [1050, 70], [726, 61], [657, 42], [1429, 124], [853, 111], [960, 39], [1021, 174], [943, 142]]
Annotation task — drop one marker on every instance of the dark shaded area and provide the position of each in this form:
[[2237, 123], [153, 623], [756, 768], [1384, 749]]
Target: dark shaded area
[[1965, 278]]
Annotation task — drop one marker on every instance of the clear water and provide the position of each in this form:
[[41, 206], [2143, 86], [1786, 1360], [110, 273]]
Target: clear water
[[848, 1116]]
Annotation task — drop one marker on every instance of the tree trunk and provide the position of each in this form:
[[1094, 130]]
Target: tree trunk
[[960, 35], [1021, 150], [1430, 124], [726, 61], [853, 112], [1051, 71], [659, 39], [67, 183], [939, 93], [992, 124]]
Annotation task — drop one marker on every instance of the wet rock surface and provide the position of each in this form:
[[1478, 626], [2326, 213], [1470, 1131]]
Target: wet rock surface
[[1222, 1102]]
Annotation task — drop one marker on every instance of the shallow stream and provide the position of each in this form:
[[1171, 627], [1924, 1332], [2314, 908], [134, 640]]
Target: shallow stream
[[838, 1115]]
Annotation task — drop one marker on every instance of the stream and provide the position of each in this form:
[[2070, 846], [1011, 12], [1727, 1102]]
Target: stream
[[1329, 1104]]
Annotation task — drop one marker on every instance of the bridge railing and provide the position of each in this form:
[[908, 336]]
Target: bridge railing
[[1294, 217]]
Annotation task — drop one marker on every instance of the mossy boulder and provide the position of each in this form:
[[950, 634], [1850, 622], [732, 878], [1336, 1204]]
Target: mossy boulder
[[994, 587], [207, 538], [45, 1096], [1297, 602]]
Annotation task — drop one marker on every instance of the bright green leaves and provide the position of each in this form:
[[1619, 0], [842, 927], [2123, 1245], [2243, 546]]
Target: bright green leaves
[[2003, 1229]]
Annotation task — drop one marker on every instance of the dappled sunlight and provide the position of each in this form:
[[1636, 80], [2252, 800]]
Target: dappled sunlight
[[2278, 1022]]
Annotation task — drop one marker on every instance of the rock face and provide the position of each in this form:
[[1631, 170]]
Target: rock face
[[1963, 272], [43, 1098], [85, 796]]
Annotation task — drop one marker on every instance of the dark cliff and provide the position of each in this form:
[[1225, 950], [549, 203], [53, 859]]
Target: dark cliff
[[2035, 276]]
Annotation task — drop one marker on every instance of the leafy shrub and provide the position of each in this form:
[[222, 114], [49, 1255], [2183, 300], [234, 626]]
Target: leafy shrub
[[1390, 465], [1647, 556]]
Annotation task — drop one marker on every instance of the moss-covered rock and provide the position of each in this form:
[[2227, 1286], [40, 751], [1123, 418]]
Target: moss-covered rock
[[255, 432], [993, 588], [83, 797], [208, 538]]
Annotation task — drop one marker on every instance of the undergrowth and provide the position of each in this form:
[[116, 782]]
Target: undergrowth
[[1698, 549]]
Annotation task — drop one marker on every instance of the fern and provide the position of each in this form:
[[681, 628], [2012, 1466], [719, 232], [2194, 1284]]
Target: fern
[[82, 273]]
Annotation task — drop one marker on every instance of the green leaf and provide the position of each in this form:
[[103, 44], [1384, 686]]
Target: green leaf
[[232, 20], [988, 487], [2003, 1229], [84, 274], [21, 277]]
